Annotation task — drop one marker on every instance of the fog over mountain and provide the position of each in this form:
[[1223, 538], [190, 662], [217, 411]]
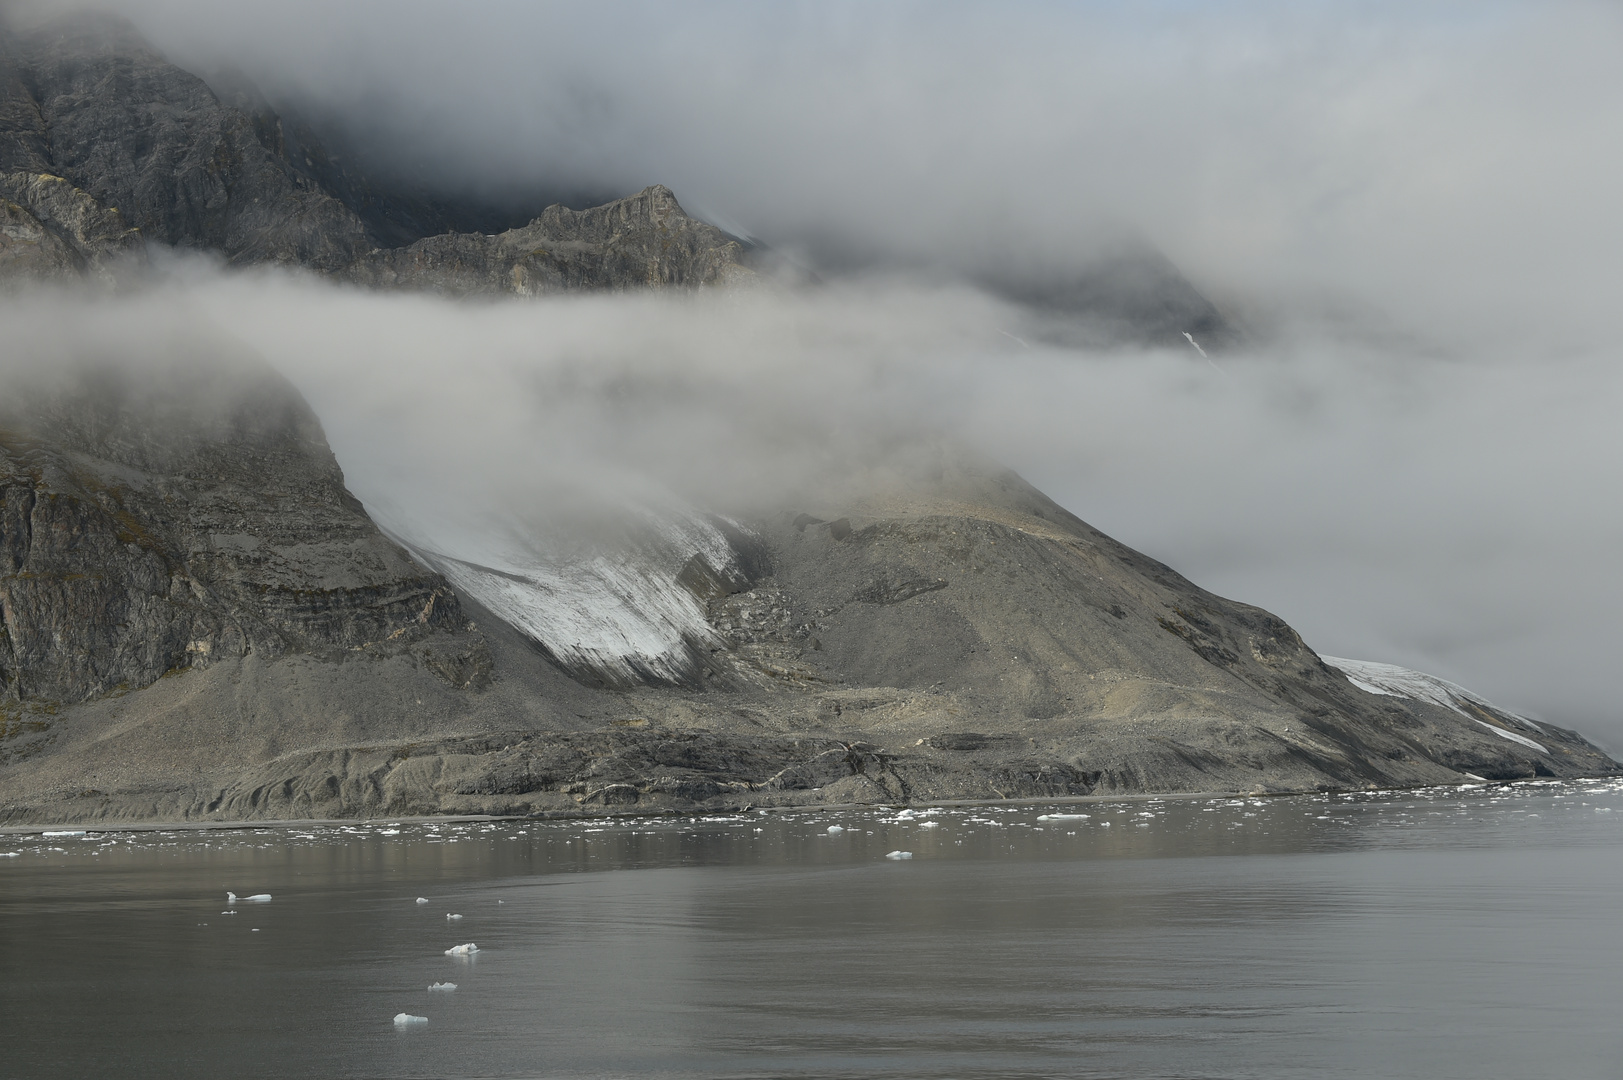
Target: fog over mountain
[[1408, 209]]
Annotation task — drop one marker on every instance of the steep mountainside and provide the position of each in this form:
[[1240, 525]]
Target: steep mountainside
[[161, 520], [201, 623]]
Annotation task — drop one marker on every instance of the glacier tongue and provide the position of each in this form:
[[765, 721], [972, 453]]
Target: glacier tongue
[[1394, 681], [621, 615]]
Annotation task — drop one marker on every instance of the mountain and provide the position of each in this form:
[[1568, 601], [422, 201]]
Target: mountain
[[199, 622]]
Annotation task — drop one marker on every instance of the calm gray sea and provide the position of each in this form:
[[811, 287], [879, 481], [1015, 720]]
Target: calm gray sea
[[1445, 933]]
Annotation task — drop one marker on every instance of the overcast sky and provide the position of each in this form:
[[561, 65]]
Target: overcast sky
[[1413, 205]]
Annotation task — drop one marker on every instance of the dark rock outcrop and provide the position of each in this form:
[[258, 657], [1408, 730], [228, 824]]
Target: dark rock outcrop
[[153, 521], [88, 100]]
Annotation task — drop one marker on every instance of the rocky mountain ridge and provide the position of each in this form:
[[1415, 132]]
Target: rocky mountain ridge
[[105, 147]]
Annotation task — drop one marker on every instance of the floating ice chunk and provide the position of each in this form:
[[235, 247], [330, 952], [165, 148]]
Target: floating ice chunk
[[228, 912], [1062, 817], [905, 815], [422, 899], [407, 1020], [256, 898], [1105, 824], [899, 855], [836, 829], [929, 824], [14, 854], [65, 832], [448, 916], [443, 988], [462, 950]]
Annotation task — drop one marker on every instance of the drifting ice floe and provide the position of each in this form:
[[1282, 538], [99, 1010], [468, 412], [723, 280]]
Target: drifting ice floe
[[422, 899], [462, 950], [836, 829], [1389, 680], [443, 988], [406, 1019], [1062, 817], [453, 916], [65, 832], [898, 855], [257, 898]]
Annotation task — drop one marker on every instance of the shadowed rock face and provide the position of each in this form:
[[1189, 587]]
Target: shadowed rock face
[[89, 101], [160, 520]]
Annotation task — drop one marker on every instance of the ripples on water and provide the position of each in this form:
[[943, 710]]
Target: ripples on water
[[1441, 933]]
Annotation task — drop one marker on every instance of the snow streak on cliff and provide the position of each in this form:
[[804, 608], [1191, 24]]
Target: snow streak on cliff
[[627, 613]]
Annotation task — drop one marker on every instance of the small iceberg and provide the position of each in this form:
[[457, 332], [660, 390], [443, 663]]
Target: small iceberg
[[9, 854], [256, 898], [1062, 817], [906, 815], [899, 855], [407, 1020], [835, 830], [422, 899], [443, 988], [462, 950], [453, 916], [929, 824], [65, 832]]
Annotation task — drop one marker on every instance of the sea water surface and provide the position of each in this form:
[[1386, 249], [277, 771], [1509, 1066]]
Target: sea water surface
[[1443, 933]]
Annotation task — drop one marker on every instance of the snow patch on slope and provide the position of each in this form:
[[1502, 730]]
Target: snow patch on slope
[[1393, 681], [619, 613]]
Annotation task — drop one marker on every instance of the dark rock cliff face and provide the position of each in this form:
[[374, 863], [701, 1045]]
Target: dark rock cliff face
[[88, 100], [153, 521]]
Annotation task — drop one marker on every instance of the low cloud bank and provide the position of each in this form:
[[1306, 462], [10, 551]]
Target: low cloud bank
[[1452, 514]]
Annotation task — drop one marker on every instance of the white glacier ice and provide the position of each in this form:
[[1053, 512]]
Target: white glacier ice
[[407, 1020], [898, 855], [1062, 817], [1390, 680], [617, 611], [443, 988], [257, 898], [462, 950], [453, 916]]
